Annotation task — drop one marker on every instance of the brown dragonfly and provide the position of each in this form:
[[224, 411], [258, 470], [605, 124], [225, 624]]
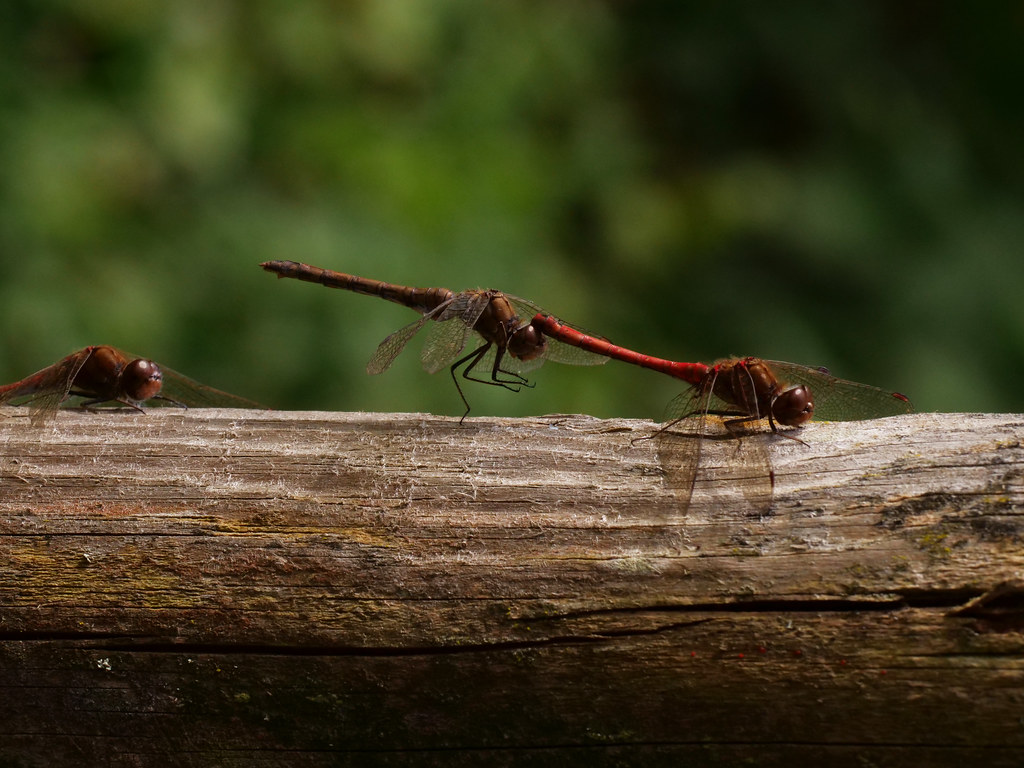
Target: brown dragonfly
[[103, 374], [500, 319]]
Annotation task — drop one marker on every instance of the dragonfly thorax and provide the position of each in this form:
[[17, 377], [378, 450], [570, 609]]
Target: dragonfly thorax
[[752, 388], [501, 325]]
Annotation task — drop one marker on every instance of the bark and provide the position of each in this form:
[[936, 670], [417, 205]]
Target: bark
[[285, 588]]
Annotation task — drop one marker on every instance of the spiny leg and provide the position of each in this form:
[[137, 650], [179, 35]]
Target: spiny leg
[[473, 358], [87, 405], [512, 384], [731, 423], [171, 400]]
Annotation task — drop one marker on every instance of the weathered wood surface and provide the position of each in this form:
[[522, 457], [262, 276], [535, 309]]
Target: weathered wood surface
[[269, 588]]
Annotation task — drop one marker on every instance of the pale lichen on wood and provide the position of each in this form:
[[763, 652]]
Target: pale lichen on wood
[[324, 583]]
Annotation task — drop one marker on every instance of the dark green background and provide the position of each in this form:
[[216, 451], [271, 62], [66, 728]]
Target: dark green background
[[832, 184]]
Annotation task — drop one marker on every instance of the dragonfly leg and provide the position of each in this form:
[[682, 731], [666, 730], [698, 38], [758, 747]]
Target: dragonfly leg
[[730, 424], [662, 430], [666, 428], [791, 437], [516, 380], [171, 400], [470, 362], [512, 384], [777, 431], [738, 426], [472, 358], [88, 404]]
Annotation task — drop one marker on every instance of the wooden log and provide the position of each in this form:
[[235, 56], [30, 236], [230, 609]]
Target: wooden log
[[284, 588]]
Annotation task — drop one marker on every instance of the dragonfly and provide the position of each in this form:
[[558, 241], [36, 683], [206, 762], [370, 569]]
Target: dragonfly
[[102, 374], [497, 318], [742, 393]]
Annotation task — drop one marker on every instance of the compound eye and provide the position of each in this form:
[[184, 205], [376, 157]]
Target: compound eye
[[527, 343], [141, 380], [793, 407]]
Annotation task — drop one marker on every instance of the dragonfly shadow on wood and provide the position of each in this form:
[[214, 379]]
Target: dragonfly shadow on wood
[[722, 469]]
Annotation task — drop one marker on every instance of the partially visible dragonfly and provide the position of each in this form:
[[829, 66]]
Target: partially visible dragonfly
[[499, 318], [102, 374], [742, 392]]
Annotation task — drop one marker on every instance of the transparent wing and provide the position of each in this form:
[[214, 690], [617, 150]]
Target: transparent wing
[[45, 390], [556, 351], [836, 399], [514, 365], [679, 445], [447, 338], [390, 348], [181, 390], [728, 461]]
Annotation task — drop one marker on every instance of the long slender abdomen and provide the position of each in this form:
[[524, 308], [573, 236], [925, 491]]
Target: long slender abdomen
[[421, 299], [691, 373]]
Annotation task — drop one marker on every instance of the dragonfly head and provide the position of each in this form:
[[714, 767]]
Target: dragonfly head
[[794, 406], [526, 343], [141, 380]]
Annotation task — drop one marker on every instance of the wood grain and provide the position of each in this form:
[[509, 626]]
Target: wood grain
[[291, 588]]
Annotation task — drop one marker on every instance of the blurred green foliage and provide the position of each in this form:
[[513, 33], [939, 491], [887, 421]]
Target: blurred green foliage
[[833, 184]]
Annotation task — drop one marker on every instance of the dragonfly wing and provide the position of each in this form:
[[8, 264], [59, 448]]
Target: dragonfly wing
[[567, 354], [455, 321], [556, 351], [702, 447], [390, 348], [181, 390], [837, 399], [393, 345], [679, 445], [48, 388], [514, 365]]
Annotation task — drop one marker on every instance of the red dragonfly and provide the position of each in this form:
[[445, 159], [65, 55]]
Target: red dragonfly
[[744, 391], [497, 317], [102, 374]]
